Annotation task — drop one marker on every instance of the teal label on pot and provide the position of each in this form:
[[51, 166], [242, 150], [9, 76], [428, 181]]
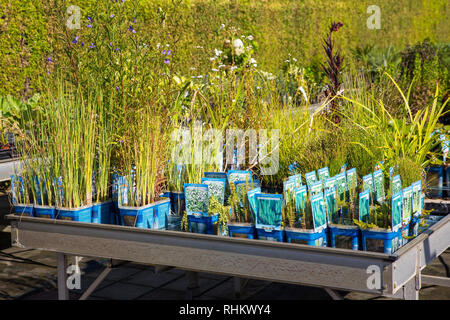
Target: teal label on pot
[[269, 210], [196, 196], [316, 187], [318, 212], [417, 188], [331, 203], [310, 178], [330, 183], [396, 215], [216, 188], [368, 183], [351, 178], [407, 194], [364, 206], [341, 184], [297, 178], [252, 201], [324, 174], [379, 185], [300, 198], [396, 186]]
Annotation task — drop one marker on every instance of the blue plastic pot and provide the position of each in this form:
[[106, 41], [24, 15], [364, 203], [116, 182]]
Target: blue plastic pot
[[308, 236], [82, 214], [202, 224], [352, 232], [24, 209], [48, 212], [151, 216], [103, 212], [238, 228]]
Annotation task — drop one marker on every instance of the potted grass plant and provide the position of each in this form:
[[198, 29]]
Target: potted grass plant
[[300, 224], [143, 155], [243, 207], [103, 210]]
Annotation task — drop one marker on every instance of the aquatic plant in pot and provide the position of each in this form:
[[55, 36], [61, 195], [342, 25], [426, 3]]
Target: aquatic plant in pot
[[143, 155], [300, 224], [243, 208]]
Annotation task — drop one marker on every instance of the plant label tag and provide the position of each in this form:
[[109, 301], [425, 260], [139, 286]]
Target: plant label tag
[[242, 187], [310, 178], [416, 189], [252, 201], [300, 198], [368, 183], [407, 195], [318, 212], [269, 210], [341, 184], [378, 180], [196, 197], [324, 174], [351, 178], [216, 188], [316, 187], [396, 214], [364, 206], [331, 203], [330, 183], [297, 178], [396, 184]]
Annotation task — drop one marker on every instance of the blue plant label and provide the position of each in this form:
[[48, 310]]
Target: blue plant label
[[216, 188], [318, 212], [238, 175], [196, 197], [368, 183], [269, 211], [341, 184], [324, 174], [396, 215], [115, 186], [378, 181], [58, 181], [37, 187], [396, 185], [343, 168], [364, 206], [297, 178], [391, 173], [378, 166], [252, 201], [293, 167], [316, 187], [241, 186], [14, 189], [288, 187], [310, 178], [122, 191], [417, 190], [407, 197], [351, 178], [330, 183], [300, 194], [331, 203]]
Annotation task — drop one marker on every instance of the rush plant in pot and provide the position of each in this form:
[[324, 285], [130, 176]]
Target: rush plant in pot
[[143, 156]]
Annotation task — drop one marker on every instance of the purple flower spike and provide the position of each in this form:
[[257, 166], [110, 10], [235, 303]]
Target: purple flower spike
[[164, 52], [89, 26], [111, 16], [82, 43], [92, 46], [110, 44], [169, 52], [131, 29], [117, 49], [75, 40], [134, 20], [89, 18], [49, 59], [166, 61], [117, 88]]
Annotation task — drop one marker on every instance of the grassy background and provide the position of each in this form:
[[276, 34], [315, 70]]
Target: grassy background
[[281, 27]]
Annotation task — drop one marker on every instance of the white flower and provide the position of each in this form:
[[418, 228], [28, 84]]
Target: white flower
[[221, 66], [258, 88], [222, 26], [250, 37], [199, 77], [192, 68], [238, 47], [158, 45], [217, 52], [212, 58], [215, 70], [295, 60], [287, 61], [252, 61], [233, 67]]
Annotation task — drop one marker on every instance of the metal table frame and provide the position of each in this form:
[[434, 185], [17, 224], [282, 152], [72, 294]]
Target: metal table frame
[[399, 273]]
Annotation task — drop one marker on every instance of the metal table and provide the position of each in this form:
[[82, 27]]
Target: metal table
[[391, 275]]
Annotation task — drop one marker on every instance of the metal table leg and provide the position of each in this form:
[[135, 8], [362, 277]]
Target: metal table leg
[[63, 291]]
